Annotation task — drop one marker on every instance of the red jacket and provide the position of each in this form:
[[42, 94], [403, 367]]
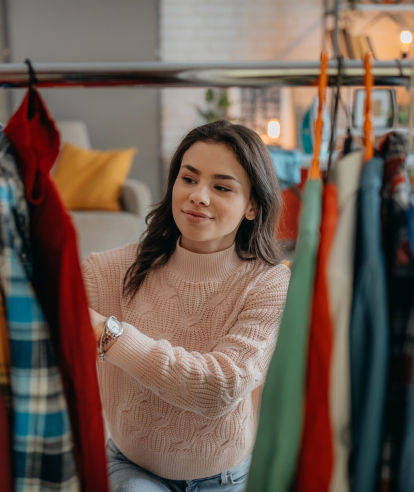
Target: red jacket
[[58, 284]]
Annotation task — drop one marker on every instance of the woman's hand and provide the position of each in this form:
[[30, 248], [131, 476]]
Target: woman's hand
[[98, 323]]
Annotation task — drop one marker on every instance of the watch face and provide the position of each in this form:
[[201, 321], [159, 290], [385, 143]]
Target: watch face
[[114, 326]]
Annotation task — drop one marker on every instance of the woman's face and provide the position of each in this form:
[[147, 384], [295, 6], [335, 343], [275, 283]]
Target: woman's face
[[211, 197]]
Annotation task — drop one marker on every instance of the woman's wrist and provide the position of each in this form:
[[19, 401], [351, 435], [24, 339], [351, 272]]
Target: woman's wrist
[[98, 324], [111, 330], [99, 332]]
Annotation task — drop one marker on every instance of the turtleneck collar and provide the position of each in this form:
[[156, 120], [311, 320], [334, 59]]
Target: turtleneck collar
[[198, 267]]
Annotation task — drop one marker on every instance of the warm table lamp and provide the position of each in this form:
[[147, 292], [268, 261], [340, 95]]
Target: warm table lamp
[[406, 39]]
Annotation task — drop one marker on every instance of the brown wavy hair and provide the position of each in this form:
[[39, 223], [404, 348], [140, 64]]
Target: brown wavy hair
[[255, 239]]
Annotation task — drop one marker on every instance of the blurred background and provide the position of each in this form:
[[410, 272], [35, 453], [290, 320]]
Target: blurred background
[[154, 120]]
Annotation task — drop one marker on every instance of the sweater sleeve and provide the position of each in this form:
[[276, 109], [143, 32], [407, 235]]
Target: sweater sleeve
[[210, 384], [89, 281]]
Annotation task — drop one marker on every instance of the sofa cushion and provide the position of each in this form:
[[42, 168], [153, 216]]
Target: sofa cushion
[[92, 179]]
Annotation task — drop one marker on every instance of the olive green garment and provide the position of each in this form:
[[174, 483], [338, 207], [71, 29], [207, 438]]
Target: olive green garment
[[281, 415]]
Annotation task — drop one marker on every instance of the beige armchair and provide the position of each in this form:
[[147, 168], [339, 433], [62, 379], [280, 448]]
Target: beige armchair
[[100, 230]]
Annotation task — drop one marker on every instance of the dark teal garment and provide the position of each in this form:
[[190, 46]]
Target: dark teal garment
[[281, 415], [369, 333], [406, 475]]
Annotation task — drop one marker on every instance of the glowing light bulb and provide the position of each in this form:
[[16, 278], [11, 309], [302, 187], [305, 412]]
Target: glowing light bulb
[[406, 37], [273, 129]]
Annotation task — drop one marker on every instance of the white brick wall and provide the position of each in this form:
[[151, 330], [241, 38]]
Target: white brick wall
[[5, 96], [222, 30]]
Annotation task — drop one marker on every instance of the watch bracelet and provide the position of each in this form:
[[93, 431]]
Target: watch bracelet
[[106, 338]]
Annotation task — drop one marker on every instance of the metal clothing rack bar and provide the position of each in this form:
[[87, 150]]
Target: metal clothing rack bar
[[404, 7], [229, 74]]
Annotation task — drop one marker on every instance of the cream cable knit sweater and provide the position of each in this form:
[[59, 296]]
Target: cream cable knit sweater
[[181, 387]]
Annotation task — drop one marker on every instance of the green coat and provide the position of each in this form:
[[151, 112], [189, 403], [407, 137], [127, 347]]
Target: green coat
[[278, 438]]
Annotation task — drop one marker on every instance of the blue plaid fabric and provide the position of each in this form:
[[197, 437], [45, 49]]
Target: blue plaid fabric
[[42, 439], [400, 277]]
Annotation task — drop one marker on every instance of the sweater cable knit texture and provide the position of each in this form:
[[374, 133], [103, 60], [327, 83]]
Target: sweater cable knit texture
[[181, 387]]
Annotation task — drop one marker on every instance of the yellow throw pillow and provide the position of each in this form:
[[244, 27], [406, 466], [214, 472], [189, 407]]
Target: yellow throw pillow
[[92, 179]]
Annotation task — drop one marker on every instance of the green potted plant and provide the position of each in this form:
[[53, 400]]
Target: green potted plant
[[217, 104]]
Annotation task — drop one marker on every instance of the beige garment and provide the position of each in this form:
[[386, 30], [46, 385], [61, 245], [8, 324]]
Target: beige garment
[[340, 273], [181, 387]]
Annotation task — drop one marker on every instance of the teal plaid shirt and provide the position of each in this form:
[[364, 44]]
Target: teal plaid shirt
[[42, 439]]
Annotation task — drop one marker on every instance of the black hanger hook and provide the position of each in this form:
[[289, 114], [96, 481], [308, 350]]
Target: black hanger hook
[[332, 140], [32, 73], [32, 84]]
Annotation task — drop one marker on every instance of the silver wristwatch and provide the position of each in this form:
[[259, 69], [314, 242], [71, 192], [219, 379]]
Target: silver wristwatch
[[112, 329]]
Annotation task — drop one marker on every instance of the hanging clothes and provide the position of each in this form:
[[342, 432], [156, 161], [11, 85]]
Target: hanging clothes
[[316, 457], [5, 387], [406, 471], [396, 202], [42, 441], [59, 287], [411, 223], [6, 476], [278, 439], [340, 273], [280, 424], [369, 333], [400, 276]]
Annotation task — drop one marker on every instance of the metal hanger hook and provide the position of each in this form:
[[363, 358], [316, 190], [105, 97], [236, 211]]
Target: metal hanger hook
[[332, 141], [32, 74]]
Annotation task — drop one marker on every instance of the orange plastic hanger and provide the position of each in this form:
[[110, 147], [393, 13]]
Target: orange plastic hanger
[[315, 172], [368, 126]]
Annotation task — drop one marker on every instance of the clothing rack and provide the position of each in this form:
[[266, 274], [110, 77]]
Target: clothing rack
[[226, 74]]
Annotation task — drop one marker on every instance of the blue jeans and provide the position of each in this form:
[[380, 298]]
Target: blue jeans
[[126, 476]]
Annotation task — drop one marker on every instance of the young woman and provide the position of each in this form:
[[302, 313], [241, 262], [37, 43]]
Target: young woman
[[199, 302]]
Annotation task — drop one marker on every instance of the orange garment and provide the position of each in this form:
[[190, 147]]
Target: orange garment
[[5, 390], [315, 462]]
